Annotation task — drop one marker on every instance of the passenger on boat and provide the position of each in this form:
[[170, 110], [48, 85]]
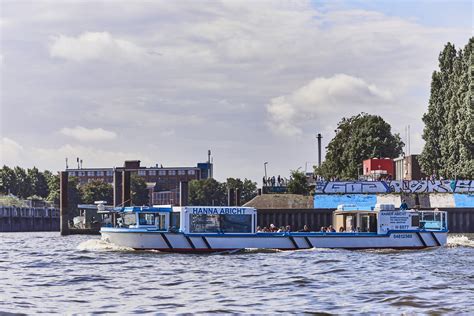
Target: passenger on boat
[[342, 229], [323, 229], [288, 228], [305, 229], [403, 206], [331, 229], [273, 228]]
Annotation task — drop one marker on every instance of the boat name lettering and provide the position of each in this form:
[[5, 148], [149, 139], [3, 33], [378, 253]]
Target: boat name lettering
[[218, 211]]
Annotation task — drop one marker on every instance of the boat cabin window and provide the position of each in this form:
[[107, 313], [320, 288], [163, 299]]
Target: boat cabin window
[[222, 223], [415, 221], [129, 219], [175, 220], [146, 219]]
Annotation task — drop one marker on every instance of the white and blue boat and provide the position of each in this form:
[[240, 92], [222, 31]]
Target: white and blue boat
[[195, 229]]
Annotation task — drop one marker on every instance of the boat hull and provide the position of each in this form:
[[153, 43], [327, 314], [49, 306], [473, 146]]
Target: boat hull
[[180, 242]]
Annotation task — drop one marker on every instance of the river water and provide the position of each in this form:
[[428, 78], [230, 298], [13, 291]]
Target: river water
[[47, 273]]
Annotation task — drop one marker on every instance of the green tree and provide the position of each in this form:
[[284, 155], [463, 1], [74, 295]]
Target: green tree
[[53, 187], [358, 138], [248, 188], [23, 184], [8, 181], [96, 190], [449, 127], [298, 183], [139, 191], [207, 192], [37, 180]]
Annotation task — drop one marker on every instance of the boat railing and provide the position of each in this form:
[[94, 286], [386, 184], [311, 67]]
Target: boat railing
[[433, 220]]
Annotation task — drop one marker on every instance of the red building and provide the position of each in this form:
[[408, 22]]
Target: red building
[[378, 168]]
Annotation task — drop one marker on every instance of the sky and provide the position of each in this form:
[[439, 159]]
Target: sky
[[254, 81]]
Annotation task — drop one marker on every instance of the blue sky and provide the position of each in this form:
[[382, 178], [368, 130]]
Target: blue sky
[[253, 81]]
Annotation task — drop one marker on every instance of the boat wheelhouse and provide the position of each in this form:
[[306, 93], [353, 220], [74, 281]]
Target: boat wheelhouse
[[214, 229]]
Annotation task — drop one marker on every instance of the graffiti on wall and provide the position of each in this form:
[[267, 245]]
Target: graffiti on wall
[[396, 186]]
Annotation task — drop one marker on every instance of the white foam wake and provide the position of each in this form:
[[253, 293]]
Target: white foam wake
[[100, 245], [460, 241]]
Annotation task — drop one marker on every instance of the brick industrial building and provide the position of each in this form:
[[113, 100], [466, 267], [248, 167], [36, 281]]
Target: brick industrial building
[[162, 182]]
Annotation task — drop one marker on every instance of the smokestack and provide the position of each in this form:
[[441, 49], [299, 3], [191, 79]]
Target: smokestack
[[319, 149]]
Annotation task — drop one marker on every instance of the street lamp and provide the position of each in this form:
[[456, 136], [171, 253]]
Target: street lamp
[[265, 167]]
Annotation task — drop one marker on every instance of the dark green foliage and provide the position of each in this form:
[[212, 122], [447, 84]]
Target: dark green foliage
[[97, 190], [139, 191], [23, 187], [207, 192], [298, 183], [38, 182], [449, 122], [7, 181], [53, 187], [358, 138], [248, 188]]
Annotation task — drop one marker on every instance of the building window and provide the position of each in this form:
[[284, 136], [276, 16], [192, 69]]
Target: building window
[[81, 173], [72, 173], [172, 172], [90, 173], [181, 172], [152, 172], [162, 172], [142, 172], [100, 173], [191, 172], [110, 173]]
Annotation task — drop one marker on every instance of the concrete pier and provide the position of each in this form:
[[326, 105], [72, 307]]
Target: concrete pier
[[24, 219]]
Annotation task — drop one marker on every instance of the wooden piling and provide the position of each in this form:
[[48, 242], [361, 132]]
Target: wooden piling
[[126, 196], [183, 193], [63, 203]]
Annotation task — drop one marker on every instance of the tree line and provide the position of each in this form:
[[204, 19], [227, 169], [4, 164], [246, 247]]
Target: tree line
[[37, 185], [449, 121]]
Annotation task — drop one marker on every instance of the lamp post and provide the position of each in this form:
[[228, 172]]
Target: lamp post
[[265, 167]]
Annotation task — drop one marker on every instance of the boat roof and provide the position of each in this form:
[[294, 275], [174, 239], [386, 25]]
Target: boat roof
[[147, 209]]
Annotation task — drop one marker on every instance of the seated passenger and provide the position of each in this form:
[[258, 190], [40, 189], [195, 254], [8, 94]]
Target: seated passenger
[[323, 229], [331, 229], [342, 229], [273, 228], [288, 228], [259, 229]]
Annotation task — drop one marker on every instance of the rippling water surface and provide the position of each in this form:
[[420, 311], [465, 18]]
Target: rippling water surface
[[46, 273]]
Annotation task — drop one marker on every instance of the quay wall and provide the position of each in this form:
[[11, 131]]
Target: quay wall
[[25, 219], [460, 220]]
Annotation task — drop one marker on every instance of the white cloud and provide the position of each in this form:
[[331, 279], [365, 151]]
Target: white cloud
[[88, 134], [10, 152], [322, 98], [94, 46], [185, 57]]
